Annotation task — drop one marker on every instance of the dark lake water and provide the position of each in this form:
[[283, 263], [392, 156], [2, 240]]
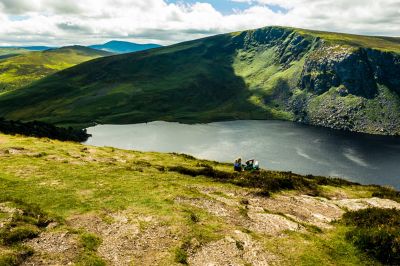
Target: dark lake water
[[275, 144]]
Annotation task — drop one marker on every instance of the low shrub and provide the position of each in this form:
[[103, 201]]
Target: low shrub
[[18, 234], [387, 193], [90, 242], [88, 257], [16, 257], [376, 232], [43, 130], [181, 256], [207, 171]]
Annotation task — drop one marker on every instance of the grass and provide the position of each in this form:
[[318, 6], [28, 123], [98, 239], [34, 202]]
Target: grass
[[24, 68], [327, 248], [88, 256], [71, 179], [386, 44], [23, 225]]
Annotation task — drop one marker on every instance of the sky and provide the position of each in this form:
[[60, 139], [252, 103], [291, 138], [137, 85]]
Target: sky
[[67, 22]]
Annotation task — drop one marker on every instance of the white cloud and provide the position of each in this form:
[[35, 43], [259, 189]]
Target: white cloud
[[58, 22]]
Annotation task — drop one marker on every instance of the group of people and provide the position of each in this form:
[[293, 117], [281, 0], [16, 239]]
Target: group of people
[[248, 166]]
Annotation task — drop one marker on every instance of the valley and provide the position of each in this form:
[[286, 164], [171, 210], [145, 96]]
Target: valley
[[340, 81]]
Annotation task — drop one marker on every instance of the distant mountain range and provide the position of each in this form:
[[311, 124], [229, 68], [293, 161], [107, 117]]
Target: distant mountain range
[[117, 47], [335, 80], [120, 47], [29, 48]]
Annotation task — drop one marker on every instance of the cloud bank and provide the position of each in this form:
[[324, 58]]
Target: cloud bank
[[55, 22]]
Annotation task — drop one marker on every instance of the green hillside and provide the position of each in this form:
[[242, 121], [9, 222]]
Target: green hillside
[[19, 67], [10, 52], [63, 203], [335, 80]]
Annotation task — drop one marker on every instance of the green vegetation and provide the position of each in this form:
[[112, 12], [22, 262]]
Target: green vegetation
[[23, 225], [377, 232], [19, 67], [267, 181], [11, 52], [88, 257], [168, 205], [387, 44], [41, 130], [268, 73]]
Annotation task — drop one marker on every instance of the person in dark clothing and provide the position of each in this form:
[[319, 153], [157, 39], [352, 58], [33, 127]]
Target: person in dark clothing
[[249, 164], [237, 166]]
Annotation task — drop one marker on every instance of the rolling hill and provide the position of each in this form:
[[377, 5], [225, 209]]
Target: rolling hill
[[120, 47], [327, 79], [29, 48], [20, 67]]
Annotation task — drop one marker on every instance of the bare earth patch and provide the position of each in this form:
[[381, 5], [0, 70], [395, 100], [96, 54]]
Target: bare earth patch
[[250, 218], [313, 210], [6, 213], [53, 248], [237, 249], [357, 204], [123, 241]]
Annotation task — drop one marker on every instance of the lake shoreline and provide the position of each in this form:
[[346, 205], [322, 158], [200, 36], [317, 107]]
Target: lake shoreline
[[278, 145]]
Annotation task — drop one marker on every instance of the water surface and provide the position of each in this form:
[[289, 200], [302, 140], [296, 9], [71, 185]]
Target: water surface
[[275, 144]]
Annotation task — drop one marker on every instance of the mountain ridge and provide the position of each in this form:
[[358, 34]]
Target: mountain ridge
[[115, 46]]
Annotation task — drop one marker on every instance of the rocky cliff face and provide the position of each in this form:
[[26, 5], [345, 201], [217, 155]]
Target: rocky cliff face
[[330, 84], [353, 89]]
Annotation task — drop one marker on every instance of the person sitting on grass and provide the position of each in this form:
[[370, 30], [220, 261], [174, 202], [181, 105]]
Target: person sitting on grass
[[237, 166], [249, 164], [252, 165]]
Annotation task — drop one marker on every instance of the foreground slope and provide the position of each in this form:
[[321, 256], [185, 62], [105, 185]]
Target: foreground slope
[[97, 206], [19, 68], [335, 80]]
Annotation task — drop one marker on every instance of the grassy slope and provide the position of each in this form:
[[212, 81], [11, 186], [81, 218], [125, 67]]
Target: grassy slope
[[216, 78], [67, 179], [388, 44], [10, 52], [22, 69]]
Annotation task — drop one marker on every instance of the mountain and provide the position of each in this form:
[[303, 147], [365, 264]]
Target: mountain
[[21, 67], [326, 79], [11, 52], [29, 48], [120, 47], [37, 48]]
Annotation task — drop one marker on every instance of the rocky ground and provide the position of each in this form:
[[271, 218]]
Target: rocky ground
[[143, 240]]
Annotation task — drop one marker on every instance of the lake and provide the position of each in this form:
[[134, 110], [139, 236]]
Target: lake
[[276, 145]]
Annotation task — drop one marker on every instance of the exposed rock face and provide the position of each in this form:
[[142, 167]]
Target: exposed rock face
[[386, 68], [343, 86], [358, 70], [327, 68]]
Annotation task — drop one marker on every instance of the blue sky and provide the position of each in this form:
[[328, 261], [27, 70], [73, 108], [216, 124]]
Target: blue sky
[[227, 6], [224, 6]]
